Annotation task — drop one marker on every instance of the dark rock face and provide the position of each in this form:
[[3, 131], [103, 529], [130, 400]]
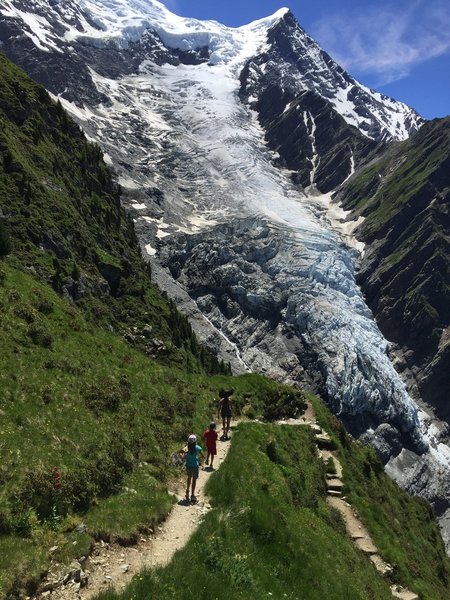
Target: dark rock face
[[405, 273], [335, 146]]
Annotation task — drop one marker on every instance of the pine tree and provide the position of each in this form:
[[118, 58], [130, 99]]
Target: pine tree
[[5, 241]]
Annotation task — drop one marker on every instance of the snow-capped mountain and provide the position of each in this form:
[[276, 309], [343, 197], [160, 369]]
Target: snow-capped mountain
[[228, 143]]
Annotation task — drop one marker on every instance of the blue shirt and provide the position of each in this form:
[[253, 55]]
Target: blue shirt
[[192, 457]]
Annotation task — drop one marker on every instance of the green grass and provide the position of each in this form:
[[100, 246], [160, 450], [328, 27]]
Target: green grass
[[20, 561], [382, 190], [270, 531], [271, 534], [141, 504], [62, 214]]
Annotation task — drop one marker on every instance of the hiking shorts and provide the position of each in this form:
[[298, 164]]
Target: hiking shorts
[[192, 472]]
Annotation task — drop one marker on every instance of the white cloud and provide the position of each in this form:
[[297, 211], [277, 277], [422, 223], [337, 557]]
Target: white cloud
[[386, 41]]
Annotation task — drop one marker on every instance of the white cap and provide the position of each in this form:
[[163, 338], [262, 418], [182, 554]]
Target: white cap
[[192, 438]]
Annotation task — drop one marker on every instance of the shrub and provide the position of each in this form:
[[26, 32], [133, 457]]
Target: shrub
[[330, 465], [235, 566], [45, 306], [42, 491], [284, 403], [25, 312], [40, 335], [107, 395]]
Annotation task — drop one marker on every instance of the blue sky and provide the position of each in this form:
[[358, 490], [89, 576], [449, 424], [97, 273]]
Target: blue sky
[[399, 47]]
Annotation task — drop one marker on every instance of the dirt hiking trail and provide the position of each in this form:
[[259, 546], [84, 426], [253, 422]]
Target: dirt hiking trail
[[113, 565]]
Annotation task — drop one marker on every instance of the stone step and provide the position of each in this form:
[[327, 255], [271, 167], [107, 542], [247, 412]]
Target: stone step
[[334, 492], [325, 442], [403, 593], [366, 545], [380, 565], [331, 476], [335, 484]]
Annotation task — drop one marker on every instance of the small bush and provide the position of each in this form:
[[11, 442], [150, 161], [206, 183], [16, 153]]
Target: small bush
[[47, 395], [235, 566], [45, 306], [25, 312], [284, 403], [330, 465], [42, 491], [40, 335], [108, 395]]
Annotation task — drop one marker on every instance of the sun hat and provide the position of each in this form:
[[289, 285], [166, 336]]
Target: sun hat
[[192, 438], [212, 425]]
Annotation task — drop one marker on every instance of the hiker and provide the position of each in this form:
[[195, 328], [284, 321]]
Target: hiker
[[225, 411], [210, 436], [192, 464]]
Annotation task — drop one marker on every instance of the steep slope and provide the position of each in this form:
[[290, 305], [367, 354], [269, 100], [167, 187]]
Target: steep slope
[[316, 116], [405, 273], [84, 246], [67, 46]]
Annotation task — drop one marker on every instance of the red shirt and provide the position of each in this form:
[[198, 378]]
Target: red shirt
[[210, 437]]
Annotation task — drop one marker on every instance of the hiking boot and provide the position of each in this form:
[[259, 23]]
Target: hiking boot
[[193, 498]]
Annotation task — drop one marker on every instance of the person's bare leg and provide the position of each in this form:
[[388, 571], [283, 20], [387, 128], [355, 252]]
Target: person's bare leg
[[194, 481], [228, 426], [224, 427], [188, 485]]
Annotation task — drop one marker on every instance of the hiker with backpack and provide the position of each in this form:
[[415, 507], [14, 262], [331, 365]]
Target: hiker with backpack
[[191, 457], [225, 411]]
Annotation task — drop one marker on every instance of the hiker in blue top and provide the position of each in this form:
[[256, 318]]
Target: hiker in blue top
[[192, 466]]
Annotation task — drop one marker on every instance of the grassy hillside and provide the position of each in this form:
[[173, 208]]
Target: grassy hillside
[[403, 528], [271, 533], [79, 401]]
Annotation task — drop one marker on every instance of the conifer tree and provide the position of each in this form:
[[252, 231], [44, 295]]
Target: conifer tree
[[5, 241]]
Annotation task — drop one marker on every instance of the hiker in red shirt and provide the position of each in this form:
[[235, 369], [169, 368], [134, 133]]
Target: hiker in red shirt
[[210, 436]]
